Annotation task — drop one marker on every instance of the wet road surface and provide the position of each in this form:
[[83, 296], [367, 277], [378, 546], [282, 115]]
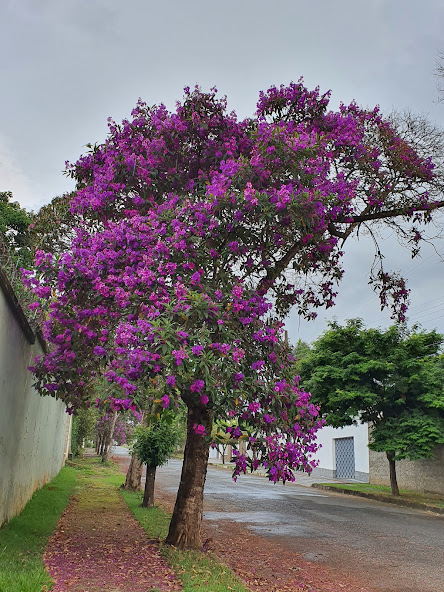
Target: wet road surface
[[393, 549]]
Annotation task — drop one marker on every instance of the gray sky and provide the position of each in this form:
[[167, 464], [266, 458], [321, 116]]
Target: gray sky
[[66, 65]]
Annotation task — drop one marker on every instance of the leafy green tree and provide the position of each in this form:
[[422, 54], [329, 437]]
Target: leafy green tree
[[154, 445], [83, 428], [52, 228], [392, 379], [14, 225], [301, 349]]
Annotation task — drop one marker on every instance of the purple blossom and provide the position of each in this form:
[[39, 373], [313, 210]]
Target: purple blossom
[[199, 429], [99, 351], [258, 365], [171, 380], [197, 349], [197, 386], [179, 356]]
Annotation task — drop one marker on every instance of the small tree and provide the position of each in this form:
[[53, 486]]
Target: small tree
[[392, 379], [154, 445]]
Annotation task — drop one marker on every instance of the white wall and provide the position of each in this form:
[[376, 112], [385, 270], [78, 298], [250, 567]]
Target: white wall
[[33, 429]]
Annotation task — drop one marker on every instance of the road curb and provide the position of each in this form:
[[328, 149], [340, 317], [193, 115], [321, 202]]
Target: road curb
[[381, 498]]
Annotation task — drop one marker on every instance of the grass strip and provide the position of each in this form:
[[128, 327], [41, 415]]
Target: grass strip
[[23, 539], [404, 494], [198, 572]]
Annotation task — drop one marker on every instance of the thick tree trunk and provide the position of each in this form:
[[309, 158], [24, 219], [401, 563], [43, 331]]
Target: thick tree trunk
[[134, 474], [148, 496], [109, 438], [184, 531], [393, 480]]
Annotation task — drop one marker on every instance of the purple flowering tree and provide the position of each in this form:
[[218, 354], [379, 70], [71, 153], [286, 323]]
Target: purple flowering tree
[[117, 422], [197, 234], [104, 433]]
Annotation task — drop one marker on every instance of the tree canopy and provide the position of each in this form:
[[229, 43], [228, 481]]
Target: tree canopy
[[197, 234], [14, 229], [393, 379], [155, 444]]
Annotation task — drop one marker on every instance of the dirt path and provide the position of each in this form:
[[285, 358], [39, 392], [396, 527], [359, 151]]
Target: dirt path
[[100, 547]]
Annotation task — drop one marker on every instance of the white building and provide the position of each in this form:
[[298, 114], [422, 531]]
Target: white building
[[344, 453]]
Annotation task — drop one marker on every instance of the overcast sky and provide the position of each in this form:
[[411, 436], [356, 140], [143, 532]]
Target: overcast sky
[[67, 65]]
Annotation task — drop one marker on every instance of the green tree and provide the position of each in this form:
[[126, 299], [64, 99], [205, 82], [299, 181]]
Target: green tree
[[14, 229], [392, 379], [301, 349], [154, 445], [83, 428], [53, 226]]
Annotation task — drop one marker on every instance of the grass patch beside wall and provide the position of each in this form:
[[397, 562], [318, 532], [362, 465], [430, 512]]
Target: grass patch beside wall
[[430, 499], [23, 539]]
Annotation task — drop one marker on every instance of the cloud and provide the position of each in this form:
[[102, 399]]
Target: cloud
[[12, 178]]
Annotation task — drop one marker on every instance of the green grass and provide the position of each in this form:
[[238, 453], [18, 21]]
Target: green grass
[[198, 572], [23, 539], [430, 499]]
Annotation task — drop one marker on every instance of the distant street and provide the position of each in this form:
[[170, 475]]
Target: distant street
[[389, 548]]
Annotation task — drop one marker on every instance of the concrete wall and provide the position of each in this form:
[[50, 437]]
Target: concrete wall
[[421, 475], [326, 455], [34, 430]]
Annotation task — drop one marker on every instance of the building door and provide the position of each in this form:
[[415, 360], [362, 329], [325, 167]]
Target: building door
[[345, 458]]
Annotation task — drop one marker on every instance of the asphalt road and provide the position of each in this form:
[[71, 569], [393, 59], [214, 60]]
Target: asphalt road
[[391, 548]]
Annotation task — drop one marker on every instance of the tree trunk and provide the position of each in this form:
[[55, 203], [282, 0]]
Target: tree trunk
[[109, 438], [185, 524], [148, 496], [393, 480], [134, 474], [133, 478]]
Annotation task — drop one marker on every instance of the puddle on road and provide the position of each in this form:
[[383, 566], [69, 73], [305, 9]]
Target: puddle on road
[[253, 517], [279, 530], [268, 525], [270, 493]]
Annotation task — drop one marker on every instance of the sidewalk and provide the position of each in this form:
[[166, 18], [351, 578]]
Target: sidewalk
[[98, 545]]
